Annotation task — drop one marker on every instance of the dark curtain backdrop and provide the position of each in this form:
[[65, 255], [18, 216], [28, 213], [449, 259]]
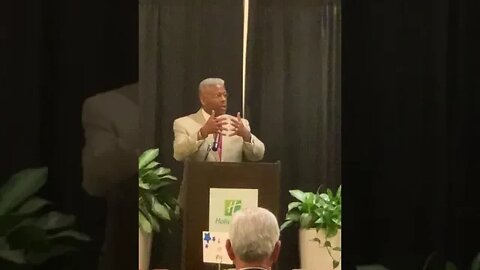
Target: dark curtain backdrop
[[410, 114], [410, 108], [182, 43], [294, 96], [53, 55]]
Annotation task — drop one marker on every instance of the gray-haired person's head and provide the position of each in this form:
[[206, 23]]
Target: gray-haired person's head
[[210, 82], [213, 95], [254, 235]]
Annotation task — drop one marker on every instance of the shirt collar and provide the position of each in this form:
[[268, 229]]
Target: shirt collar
[[205, 114]]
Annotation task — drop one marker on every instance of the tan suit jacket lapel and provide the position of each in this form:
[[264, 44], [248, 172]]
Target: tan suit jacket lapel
[[198, 117]]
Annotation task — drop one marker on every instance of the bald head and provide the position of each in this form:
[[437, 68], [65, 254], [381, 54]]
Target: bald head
[[213, 95]]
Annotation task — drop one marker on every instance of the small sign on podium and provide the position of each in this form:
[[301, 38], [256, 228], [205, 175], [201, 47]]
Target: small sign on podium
[[214, 250]]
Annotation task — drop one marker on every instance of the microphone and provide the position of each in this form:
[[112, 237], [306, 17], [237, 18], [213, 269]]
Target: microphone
[[215, 142]]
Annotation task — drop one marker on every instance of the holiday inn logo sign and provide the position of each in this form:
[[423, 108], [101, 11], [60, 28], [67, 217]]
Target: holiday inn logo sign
[[224, 202], [232, 206]]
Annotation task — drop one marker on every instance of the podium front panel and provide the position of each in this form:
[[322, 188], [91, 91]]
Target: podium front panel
[[199, 177]]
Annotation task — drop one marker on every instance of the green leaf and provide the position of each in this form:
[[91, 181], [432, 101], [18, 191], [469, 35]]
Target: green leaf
[[329, 193], [16, 256], [339, 192], [316, 239], [147, 211], [476, 263], [293, 215], [21, 186], [148, 198], [320, 221], [171, 177], [55, 220], [166, 181], [144, 185], [309, 199], [428, 260], [149, 177], [147, 157], [335, 264], [320, 212], [160, 210], [151, 165], [320, 203], [155, 203], [324, 197], [156, 186], [144, 224], [337, 248], [176, 212], [331, 231], [28, 237], [337, 221], [142, 205], [9, 222], [450, 266], [3, 243], [298, 194], [70, 234], [327, 244], [162, 171], [32, 205], [166, 200], [286, 224], [155, 180], [152, 220], [38, 258], [293, 205], [305, 220]]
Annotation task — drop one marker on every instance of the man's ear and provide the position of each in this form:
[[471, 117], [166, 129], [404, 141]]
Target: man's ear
[[228, 246], [276, 252]]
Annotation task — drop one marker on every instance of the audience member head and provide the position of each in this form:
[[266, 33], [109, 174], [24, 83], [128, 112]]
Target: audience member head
[[254, 238]]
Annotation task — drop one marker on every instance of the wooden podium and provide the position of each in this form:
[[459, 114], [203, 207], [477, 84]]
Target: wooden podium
[[199, 177]]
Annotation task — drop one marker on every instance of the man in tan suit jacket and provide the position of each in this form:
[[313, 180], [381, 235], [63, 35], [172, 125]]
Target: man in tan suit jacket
[[110, 164], [195, 134]]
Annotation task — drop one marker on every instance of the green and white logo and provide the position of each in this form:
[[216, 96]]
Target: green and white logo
[[232, 206], [223, 204]]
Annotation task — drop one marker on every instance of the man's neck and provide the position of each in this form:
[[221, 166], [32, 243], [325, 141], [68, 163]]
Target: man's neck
[[256, 265], [208, 112], [205, 114]]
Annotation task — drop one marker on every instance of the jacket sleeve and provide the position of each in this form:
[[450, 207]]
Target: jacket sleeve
[[184, 144], [255, 149]]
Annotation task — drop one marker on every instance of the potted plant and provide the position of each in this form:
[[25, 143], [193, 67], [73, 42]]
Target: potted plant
[[156, 205], [319, 219], [31, 232]]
